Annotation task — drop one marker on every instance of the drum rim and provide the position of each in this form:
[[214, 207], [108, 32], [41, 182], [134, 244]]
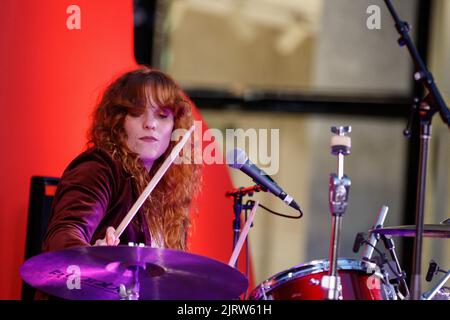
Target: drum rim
[[307, 268]]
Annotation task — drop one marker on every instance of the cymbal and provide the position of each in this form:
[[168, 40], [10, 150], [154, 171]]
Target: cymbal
[[164, 274], [429, 230]]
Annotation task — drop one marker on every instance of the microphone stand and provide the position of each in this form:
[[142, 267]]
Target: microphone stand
[[238, 206], [427, 107], [339, 186]]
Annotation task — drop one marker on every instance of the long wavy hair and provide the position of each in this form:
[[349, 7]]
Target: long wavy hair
[[167, 208]]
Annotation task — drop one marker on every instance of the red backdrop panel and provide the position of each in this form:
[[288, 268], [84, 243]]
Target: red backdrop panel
[[50, 80]]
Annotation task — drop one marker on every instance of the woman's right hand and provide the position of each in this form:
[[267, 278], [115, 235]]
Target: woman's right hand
[[109, 239]]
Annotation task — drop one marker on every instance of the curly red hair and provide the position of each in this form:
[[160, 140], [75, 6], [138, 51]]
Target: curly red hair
[[167, 208]]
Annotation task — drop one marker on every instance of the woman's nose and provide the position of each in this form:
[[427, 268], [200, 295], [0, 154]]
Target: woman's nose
[[149, 122]]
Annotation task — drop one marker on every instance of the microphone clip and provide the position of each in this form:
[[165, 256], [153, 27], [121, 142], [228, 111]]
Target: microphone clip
[[240, 192]]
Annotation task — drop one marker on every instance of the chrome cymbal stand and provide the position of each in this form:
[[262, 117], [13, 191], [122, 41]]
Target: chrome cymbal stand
[[132, 292], [430, 294], [339, 186], [433, 270]]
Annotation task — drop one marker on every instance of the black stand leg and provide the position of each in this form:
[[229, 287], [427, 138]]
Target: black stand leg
[[426, 114], [237, 220]]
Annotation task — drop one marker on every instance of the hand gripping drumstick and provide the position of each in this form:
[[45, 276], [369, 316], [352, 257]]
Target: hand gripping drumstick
[[152, 184], [243, 235]]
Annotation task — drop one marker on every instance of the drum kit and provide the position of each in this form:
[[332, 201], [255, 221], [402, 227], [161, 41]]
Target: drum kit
[[144, 273], [137, 272]]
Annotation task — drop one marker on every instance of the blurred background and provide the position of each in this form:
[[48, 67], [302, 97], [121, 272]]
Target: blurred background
[[296, 66], [301, 67]]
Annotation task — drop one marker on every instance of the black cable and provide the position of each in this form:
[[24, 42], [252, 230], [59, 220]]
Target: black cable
[[282, 215]]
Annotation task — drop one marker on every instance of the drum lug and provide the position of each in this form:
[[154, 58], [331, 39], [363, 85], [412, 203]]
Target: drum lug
[[333, 283]]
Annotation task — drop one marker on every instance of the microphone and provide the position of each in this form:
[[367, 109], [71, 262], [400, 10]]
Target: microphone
[[431, 271], [237, 159], [368, 249]]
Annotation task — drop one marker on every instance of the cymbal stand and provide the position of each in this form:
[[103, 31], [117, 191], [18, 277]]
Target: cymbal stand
[[132, 292], [430, 294], [339, 186], [431, 272]]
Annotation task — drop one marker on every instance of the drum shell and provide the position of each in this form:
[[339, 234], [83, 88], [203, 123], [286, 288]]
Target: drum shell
[[359, 280]]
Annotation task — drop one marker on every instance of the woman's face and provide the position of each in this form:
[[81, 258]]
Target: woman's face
[[149, 134]]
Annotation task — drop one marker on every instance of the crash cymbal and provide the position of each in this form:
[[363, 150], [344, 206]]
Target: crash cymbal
[[429, 230], [164, 274]]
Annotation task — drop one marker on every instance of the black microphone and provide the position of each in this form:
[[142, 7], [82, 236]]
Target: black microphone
[[237, 159], [431, 271]]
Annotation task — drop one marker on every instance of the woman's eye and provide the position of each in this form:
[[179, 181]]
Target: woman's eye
[[135, 113], [163, 115]]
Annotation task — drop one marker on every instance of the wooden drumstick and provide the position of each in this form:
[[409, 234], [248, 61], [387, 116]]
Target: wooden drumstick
[[243, 235], [152, 184]]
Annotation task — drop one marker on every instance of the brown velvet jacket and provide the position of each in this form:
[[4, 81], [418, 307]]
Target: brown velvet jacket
[[94, 193]]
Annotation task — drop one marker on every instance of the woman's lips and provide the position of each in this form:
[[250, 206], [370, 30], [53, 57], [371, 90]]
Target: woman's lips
[[148, 139]]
